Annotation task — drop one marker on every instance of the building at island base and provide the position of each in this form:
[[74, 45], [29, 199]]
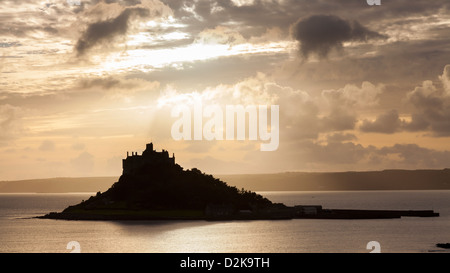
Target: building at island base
[[150, 156]]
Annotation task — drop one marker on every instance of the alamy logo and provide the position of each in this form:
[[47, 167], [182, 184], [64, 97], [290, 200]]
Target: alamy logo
[[374, 246], [373, 2], [235, 118], [74, 246]]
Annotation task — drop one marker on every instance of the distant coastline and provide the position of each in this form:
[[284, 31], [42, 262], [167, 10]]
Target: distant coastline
[[58, 185], [288, 181]]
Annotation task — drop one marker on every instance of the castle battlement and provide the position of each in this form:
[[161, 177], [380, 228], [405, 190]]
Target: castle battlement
[[150, 156]]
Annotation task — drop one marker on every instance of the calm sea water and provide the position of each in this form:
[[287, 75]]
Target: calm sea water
[[19, 232]]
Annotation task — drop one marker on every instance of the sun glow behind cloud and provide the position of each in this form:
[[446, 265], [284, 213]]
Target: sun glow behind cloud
[[147, 60]]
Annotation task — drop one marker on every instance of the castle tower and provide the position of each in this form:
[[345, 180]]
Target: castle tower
[[149, 147], [148, 157]]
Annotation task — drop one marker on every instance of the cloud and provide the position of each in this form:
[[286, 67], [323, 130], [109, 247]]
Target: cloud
[[388, 123], [116, 83], [353, 96], [431, 107], [339, 119], [9, 44], [11, 126], [414, 156], [320, 34], [83, 163], [340, 137], [220, 35], [78, 146], [105, 31], [113, 20], [445, 78], [311, 155], [340, 107], [302, 115], [47, 145], [334, 152], [396, 156]]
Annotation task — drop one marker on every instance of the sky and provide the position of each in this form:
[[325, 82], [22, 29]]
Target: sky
[[358, 87]]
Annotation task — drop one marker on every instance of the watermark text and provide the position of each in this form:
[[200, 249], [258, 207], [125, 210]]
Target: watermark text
[[230, 125]]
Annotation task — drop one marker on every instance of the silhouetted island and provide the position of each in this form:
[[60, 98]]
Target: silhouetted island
[[153, 187]]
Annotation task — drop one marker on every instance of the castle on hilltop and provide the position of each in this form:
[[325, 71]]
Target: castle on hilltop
[[134, 162]]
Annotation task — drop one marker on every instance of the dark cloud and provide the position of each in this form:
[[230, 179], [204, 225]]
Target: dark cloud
[[254, 18], [418, 123], [339, 120], [387, 123], [203, 8], [320, 34], [424, 58], [106, 31]]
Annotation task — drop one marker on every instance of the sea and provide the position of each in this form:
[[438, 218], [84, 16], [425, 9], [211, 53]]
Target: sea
[[21, 232]]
